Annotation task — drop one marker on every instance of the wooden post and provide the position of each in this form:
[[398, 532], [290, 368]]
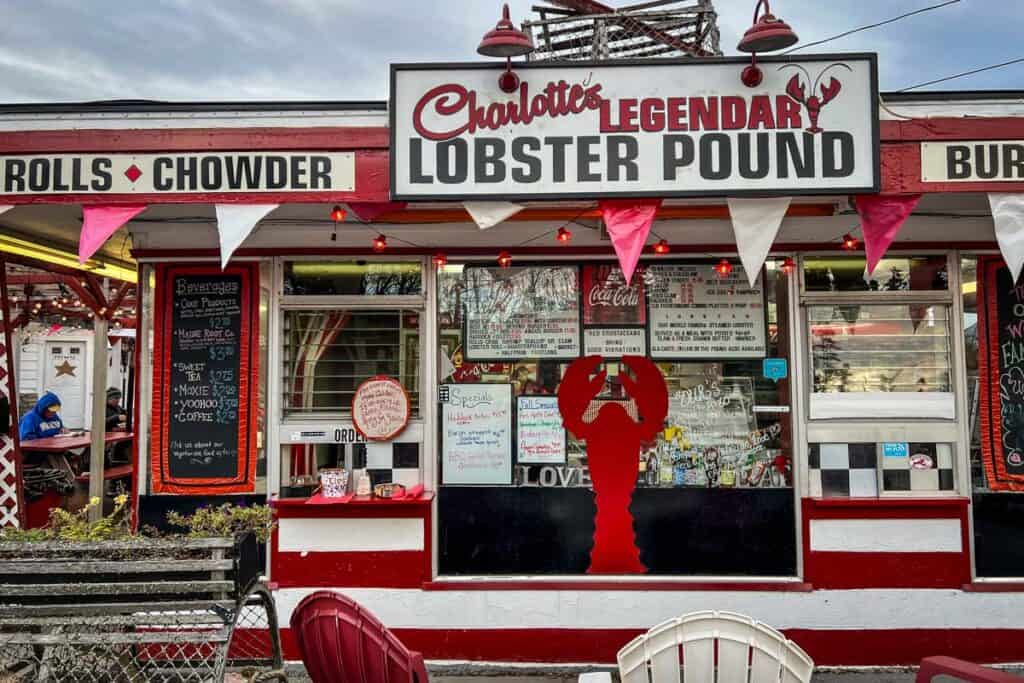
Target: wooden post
[[97, 447]]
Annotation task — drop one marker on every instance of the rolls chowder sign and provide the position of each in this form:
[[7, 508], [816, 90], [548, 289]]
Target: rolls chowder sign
[[663, 128]]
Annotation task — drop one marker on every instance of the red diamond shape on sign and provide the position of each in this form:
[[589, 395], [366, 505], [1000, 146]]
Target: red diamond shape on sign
[[133, 173]]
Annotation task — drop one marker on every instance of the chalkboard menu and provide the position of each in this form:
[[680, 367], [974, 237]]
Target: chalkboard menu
[[1001, 374], [696, 313], [204, 342]]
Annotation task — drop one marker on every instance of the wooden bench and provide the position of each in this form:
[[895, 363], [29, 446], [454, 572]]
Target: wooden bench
[[148, 610]]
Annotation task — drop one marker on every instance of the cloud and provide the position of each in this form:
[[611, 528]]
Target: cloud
[[67, 50]]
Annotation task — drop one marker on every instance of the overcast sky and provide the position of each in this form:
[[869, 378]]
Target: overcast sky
[[80, 50]]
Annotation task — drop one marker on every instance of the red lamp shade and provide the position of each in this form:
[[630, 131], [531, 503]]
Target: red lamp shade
[[505, 40], [723, 268], [563, 235], [380, 243], [440, 259], [662, 247], [789, 265], [504, 259], [769, 33], [338, 214], [849, 242]]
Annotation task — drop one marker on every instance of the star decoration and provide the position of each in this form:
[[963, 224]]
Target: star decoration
[[65, 368]]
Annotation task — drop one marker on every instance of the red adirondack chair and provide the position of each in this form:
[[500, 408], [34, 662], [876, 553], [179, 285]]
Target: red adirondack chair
[[959, 670], [341, 642]]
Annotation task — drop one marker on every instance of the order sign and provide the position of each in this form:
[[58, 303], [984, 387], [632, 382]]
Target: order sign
[[380, 409]]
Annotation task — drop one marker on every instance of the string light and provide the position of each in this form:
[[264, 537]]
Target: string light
[[662, 248], [788, 266], [337, 215], [723, 268], [849, 242], [563, 235], [439, 259], [504, 259], [380, 243]]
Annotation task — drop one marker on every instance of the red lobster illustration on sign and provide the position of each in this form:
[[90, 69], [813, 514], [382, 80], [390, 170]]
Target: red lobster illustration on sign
[[814, 104], [613, 451]]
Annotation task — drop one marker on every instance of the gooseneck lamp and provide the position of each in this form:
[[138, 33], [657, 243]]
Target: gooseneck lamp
[[768, 34], [506, 41]]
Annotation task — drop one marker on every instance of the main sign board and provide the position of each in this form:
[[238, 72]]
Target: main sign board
[[660, 128]]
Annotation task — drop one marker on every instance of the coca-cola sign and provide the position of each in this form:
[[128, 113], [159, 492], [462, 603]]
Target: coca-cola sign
[[608, 300]]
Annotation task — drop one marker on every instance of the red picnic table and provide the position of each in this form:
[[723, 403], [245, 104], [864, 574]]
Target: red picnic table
[[69, 442]]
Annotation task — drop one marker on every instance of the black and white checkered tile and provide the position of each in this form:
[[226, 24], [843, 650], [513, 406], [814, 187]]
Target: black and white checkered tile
[[397, 463], [850, 470]]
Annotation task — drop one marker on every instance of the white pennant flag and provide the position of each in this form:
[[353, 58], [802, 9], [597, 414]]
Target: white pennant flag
[[1008, 214], [756, 222], [489, 214], [235, 222], [445, 367]]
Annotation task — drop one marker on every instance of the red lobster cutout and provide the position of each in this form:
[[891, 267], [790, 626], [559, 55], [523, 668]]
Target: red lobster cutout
[[814, 104], [613, 452]]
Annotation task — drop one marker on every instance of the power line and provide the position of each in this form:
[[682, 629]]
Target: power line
[[965, 73], [870, 26]]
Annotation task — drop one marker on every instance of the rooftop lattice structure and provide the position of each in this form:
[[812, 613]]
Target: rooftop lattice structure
[[587, 29]]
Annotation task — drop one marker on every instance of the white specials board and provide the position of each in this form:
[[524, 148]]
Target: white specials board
[[476, 443], [695, 313], [666, 129], [514, 313], [540, 436]]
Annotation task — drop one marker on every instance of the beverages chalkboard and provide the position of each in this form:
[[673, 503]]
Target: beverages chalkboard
[[1001, 374], [205, 335]]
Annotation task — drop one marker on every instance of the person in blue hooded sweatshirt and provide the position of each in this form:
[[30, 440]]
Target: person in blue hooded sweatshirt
[[42, 421]]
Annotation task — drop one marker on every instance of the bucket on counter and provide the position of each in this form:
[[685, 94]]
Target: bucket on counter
[[333, 482]]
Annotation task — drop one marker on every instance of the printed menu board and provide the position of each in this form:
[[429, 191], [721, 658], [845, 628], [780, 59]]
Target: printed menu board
[[203, 339], [540, 436], [476, 433], [514, 313], [1001, 375], [695, 313]]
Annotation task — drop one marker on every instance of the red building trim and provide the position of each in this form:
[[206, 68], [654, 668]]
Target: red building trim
[[950, 128], [624, 585], [383, 569], [841, 647], [829, 569]]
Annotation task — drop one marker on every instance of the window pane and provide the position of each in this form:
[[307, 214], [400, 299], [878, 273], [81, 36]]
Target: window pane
[[353, 278], [899, 348], [896, 274], [329, 353]]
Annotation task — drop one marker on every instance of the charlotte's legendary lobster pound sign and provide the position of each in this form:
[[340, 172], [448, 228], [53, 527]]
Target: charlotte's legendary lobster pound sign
[[613, 451], [664, 129]]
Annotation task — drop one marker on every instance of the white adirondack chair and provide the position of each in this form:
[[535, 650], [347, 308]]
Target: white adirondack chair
[[683, 650]]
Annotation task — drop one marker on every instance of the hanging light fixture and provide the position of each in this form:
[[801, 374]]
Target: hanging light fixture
[[850, 242], [440, 259], [723, 268], [338, 216], [504, 259], [768, 34], [505, 41], [563, 235], [380, 243], [788, 266], [662, 248]]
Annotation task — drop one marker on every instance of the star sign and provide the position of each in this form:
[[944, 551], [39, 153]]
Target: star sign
[[65, 368]]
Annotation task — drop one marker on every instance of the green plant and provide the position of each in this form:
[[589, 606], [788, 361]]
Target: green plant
[[76, 526], [226, 520]]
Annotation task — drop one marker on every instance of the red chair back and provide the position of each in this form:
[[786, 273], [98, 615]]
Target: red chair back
[[340, 642]]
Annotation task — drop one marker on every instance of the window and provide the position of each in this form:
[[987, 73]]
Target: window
[[329, 353], [352, 278], [879, 346], [517, 495]]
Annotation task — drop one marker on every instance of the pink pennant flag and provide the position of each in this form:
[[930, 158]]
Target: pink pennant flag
[[368, 212], [629, 222], [881, 218], [99, 223]]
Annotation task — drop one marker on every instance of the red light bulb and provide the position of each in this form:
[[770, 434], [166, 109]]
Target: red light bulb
[[788, 266], [723, 268], [439, 259], [504, 259], [563, 235], [338, 214], [380, 243], [662, 247], [849, 242]]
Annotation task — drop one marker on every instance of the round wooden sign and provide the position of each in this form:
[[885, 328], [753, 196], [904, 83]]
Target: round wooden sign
[[380, 409]]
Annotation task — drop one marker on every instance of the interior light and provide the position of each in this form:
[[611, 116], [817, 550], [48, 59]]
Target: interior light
[[20, 247]]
